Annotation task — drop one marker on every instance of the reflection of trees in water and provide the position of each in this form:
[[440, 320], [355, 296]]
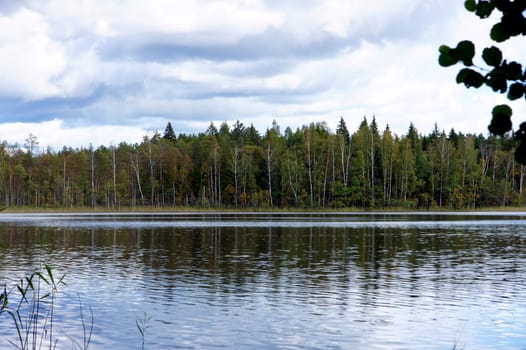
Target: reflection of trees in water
[[233, 257]]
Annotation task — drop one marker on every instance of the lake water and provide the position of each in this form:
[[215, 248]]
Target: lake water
[[278, 280]]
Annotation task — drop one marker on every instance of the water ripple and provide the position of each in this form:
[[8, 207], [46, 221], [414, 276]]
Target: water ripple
[[406, 281]]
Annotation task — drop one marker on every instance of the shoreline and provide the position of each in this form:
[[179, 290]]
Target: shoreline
[[149, 209]]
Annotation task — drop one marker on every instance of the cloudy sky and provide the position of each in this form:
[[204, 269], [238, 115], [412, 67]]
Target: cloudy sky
[[104, 71]]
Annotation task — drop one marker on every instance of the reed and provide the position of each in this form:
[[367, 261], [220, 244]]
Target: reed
[[142, 326], [30, 305]]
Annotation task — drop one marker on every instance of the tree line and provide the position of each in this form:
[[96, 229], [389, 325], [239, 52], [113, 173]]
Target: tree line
[[237, 167]]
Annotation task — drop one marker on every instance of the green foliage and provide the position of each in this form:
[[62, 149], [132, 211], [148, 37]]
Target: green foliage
[[501, 76], [492, 56], [169, 134], [515, 91], [501, 120], [310, 167], [470, 78], [471, 5], [520, 153], [463, 52], [484, 9]]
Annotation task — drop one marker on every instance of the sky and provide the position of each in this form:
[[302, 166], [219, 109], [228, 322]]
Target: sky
[[100, 72]]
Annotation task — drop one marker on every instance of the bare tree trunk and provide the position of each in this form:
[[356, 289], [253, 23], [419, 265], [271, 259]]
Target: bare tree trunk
[[444, 165], [135, 165], [509, 174], [64, 194], [235, 160], [309, 168], [161, 180], [432, 178], [391, 165], [114, 176], [92, 178], [152, 180], [216, 181], [345, 160], [521, 184], [494, 164], [324, 191], [372, 155], [173, 193], [292, 188], [342, 159], [218, 173], [269, 172]]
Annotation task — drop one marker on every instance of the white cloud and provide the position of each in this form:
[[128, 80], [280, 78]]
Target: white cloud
[[353, 17], [29, 58], [56, 135], [139, 64], [116, 18]]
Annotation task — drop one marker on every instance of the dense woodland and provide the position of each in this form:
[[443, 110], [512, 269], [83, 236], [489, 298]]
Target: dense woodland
[[237, 167]]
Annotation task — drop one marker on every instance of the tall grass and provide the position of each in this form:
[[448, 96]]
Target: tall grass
[[30, 305], [142, 326]]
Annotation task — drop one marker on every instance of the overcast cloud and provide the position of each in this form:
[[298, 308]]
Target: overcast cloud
[[104, 71]]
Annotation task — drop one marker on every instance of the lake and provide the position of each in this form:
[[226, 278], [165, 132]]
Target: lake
[[277, 280]]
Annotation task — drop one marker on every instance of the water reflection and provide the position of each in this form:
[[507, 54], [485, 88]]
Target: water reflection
[[273, 286]]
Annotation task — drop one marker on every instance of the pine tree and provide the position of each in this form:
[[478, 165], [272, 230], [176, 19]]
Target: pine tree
[[169, 134]]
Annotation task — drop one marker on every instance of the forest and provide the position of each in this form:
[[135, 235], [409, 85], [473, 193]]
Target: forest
[[235, 166]]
